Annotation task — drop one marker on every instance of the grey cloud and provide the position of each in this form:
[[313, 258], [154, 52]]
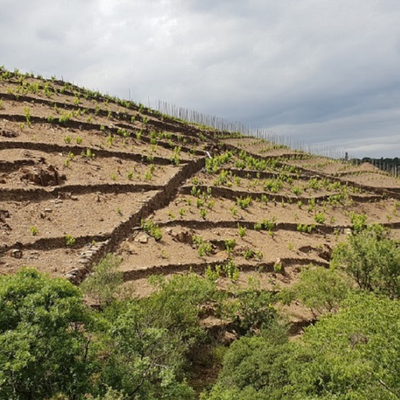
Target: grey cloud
[[317, 70]]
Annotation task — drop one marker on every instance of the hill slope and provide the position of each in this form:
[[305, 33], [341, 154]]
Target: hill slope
[[82, 175]]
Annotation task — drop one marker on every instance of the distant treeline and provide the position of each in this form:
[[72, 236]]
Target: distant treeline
[[376, 161], [390, 165]]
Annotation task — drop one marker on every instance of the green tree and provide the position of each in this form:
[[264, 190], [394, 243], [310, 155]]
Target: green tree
[[148, 341], [43, 345], [372, 260], [143, 361]]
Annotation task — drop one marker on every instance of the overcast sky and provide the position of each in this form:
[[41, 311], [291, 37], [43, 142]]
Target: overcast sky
[[325, 72]]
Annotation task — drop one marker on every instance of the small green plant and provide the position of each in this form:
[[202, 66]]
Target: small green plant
[[182, 212], [273, 185], [242, 231], [65, 118], [88, 154], [70, 240], [151, 229], [130, 175], [119, 211], [79, 140], [297, 191], [233, 210], [110, 140], [230, 245], [248, 254], [278, 267], [34, 230], [195, 191], [204, 248], [203, 213], [27, 115], [264, 199], [212, 274], [113, 176], [311, 205], [231, 270], [175, 157], [199, 203], [269, 225], [358, 221], [222, 178], [171, 215], [395, 208], [105, 280], [164, 255], [210, 204], [67, 139], [314, 184], [320, 218], [305, 228], [243, 203]]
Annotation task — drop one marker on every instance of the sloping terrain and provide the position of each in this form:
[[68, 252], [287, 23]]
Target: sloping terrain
[[82, 175]]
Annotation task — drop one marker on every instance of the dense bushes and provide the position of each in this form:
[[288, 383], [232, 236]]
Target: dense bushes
[[372, 260], [52, 346], [350, 355], [353, 352]]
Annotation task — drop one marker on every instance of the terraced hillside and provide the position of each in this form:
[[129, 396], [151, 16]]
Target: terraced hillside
[[82, 175]]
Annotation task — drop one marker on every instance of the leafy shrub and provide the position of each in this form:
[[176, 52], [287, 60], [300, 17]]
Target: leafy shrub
[[320, 289], [42, 352], [358, 221], [348, 355], [104, 281], [372, 260]]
